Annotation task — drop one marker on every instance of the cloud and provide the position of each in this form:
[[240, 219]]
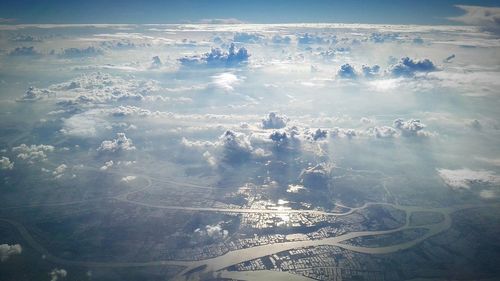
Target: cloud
[[218, 58], [225, 81], [6, 251], [408, 67], [220, 21], [59, 170], [33, 94], [121, 143], [33, 152], [274, 121], [464, 178], [128, 179], [370, 72], [319, 134], [384, 132], [215, 232], [58, 274], [377, 37], [347, 71], [409, 128], [24, 51], [155, 62], [244, 37], [486, 17], [278, 39], [306, 39], [343, 133], [107, 165], [316, 176], [25, 38], [80, 52], [236, 147], [5, 163]]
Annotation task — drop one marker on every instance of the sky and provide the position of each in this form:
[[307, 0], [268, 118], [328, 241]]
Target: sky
[[258, 11]]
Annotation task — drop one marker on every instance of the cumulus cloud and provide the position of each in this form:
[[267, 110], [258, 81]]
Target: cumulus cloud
[[107, 165], [378, 37], [218, 58], [58, 274], [33, 152], [215, 232], [5, 163], [6, 251], [221, 21], [347, 71], [128, 179], [384, 132], [316, 176], [280, 138], [278, 39], [409, 128], [155, 62], [244, 37], [59, 170], [464, 178], [343, 133], [121, 143], [370, 72], [236, 147], [307, 38], [486, 17], [274, 121], [80, 52], [407, 67], [24, 51], [33, 94], [25, 38], [319, 134]]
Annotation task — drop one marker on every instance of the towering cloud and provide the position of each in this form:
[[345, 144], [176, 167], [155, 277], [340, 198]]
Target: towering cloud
[[274, 121], [5, 163], [408, 67], [218, 58], [121, 143], [347, 71], [486, 17], [6, 251], [409, 128], [236, 147]]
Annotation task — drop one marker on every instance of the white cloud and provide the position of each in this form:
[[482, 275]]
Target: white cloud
[[463, 178], [128, 179], [33, 152], [274, 121], [486, 17], [121, 143], [107, 165], [6, 251], [58, 274], [218, 58], [5, 163], [225, 81]]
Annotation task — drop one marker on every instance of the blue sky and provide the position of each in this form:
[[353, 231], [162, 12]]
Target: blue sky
[[257, 11]]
